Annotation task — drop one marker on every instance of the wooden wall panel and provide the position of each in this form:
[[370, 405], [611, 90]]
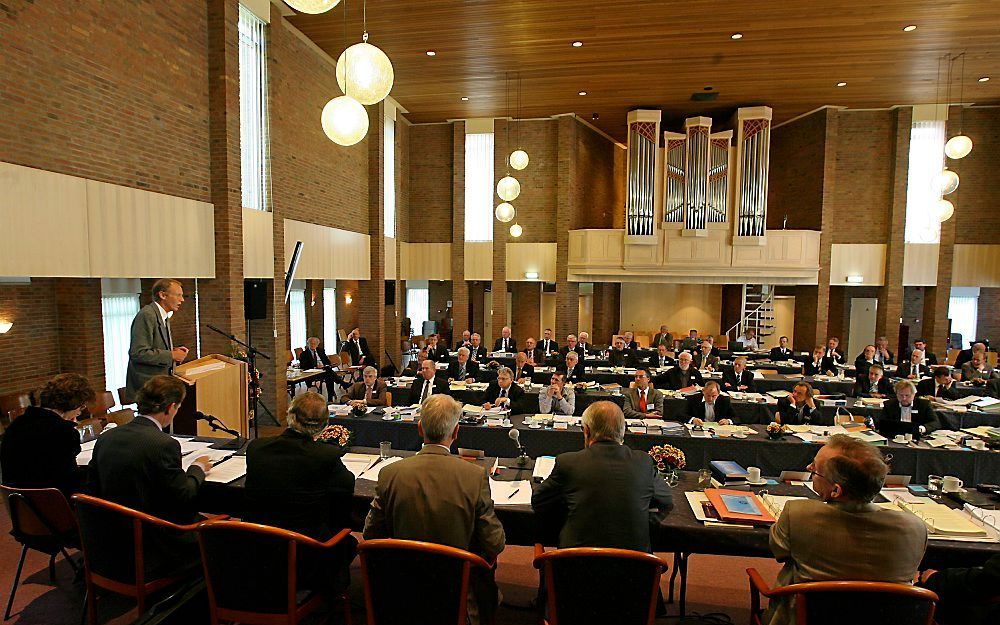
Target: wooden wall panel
[[425, 261], [976, 265], [258, 243], [526, 257], [328, 253], [690, 306], [390, 257], [479, 260], [920, 264], [866, 260]]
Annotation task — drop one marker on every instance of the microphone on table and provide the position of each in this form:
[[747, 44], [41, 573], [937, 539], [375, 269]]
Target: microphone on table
[[218, 425], [522, 458]]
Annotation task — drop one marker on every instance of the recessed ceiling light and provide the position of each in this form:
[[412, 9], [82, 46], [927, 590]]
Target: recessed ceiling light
[[910, 28], [465, 98], [736, 36], [841, 84], [431, 53], [582, 93], [577, 44], [984, 79]]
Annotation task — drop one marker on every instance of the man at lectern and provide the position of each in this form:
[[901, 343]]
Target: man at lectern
[[151, 351]]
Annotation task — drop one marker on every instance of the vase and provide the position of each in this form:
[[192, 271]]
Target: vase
[[774, 436], [671, 476]]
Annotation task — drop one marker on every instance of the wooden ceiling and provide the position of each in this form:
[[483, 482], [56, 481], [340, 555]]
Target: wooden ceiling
[[656, 54]]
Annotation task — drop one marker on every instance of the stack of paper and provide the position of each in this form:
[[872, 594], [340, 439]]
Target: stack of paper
[[368, 470], [543, 468], [215, 455], [86, 453], [942, 521], [225, 472], [516, 493]]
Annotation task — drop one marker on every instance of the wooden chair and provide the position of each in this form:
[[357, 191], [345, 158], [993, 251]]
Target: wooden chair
[[121, 417], [417, 583], [298, 352], [855, 602], [722, 341], [643, 340], [388, 399], [252, 576], [103, 402], [113, 541], [13, 405], [573, 577], [124, 399], [41, 520]]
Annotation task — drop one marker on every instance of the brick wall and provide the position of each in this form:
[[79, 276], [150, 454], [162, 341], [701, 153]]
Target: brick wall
[[31, 350], [913, 313], [863, 188], [526, 310], [597, 197], [976, 215], [795, 185], [431, 183], [989, 316], [537, 202]]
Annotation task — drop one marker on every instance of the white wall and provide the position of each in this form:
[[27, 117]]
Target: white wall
[[644, 307]]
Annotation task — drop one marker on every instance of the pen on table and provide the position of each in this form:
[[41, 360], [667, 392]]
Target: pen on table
[[377, 460], [511, 496]]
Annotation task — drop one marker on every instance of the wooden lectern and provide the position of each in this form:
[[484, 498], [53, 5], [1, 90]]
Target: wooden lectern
[[217, 386]]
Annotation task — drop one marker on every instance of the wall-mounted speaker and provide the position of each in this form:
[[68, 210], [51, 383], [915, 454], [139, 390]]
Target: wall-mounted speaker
[[254, 299]]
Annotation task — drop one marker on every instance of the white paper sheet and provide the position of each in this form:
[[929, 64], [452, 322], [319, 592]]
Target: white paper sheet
[[232, 469], [189, 444], [543, 467], [372, 473], [214, 454], [513, 493]]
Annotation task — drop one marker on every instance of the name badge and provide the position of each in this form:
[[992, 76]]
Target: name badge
[[560, 425], [406, 417]]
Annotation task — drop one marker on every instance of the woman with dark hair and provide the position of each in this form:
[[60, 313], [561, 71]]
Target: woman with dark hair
[[40, 447]]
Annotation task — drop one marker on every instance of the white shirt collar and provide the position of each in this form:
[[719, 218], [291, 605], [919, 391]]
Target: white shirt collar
[[151, 419], [164, 315], [426, 445]]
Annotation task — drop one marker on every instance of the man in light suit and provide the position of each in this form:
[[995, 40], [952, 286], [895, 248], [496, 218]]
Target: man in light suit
[[818, 540], [704, 359], [557, 398], [977, 369], [643, 401], [440, 498], [151, 351]]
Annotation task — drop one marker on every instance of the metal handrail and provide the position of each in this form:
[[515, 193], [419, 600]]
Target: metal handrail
[[769, 298]]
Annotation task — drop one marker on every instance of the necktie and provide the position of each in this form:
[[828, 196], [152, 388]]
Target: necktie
[[662, 363], [315, 356], [642, 400], [874, 388], [426, 392], [368, 394], [503, 392]]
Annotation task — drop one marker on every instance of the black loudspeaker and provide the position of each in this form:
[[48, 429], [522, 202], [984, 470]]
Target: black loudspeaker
[[390, 292], [254, 299]]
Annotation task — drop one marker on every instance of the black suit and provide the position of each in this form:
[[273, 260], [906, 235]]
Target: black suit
[[549, 347], [578, 374], [360, 355], [861, 367], [654, 361], [929, 357], [601, 497], [889, 423], [439, 353], [993, 388], [622, 358], [461, 344], [632, 345], [677, 379], [139, 466], [907, 368], [477, 354], [889, 360], [964, 356], [526, 371], [565, 350], [928, 388], [863, 387], [781, 353], [514, 392], [730, 382], [695, 408], [471, 371], [308, 361], [511, 345], [790, 413], [964, 591], [39, 450], [811, 368], [438, 387], [831, 358]]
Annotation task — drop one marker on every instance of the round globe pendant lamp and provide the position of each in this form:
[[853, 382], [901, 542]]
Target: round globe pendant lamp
[[516, 231], [345, 120], [519, 159], [508, 188], [947, 182], [945, 210], [505, 212], [312, 7], [365, 73]]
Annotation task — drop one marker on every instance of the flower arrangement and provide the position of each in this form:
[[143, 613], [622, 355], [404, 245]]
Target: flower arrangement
[[667, 458], [775, 430], [336, 435]]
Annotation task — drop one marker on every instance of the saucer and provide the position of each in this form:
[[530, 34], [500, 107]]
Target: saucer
[[534, 426], [388, 417], [761, 482]]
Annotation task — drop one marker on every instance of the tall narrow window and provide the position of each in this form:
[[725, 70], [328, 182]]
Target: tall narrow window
[[253, 110], [963, 310], [330, 339], [478, 187], [389, 177], [417, 308], [297, 318], [926, 162], [118, 310]]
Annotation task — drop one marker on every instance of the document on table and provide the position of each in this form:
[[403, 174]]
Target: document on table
[[696, 500], [214, 454], [86, 453], [543, 468], [373, 468], [516, 493], [189, 444], [232, 469]]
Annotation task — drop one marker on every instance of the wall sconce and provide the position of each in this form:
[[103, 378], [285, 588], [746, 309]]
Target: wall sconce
[[855, 279], [348, 299], [5, 326], [531, 275]]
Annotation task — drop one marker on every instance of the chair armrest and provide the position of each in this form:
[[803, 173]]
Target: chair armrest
[[757, 583], [332, 542], [189, 527], [539, 550]]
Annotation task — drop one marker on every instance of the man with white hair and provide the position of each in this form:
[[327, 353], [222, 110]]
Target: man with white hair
[[437, 497], [503, 392], [506, 342], [684, 374], [371, 391], [572, 369], [463, 369], [602, 496], [907, 414], [571, 346], [584, 346], [915, 369], [477, 353]]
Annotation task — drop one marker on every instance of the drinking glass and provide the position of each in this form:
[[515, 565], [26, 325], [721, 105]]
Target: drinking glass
[[934, 486], [704, 479], [385, 449]]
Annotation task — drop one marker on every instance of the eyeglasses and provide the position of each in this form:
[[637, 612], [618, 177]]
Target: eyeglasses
[[814, 472]]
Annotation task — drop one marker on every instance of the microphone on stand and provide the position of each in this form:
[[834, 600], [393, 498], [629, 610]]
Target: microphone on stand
[[217, 425], [523, 458]]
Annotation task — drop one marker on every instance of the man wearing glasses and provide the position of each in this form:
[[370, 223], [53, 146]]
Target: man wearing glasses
[[832, 538]]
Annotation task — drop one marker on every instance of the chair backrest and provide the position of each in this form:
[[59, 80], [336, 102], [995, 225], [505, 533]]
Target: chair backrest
[[121, 417], [109, 534], [38, 514], [345, 359], [298, 352], [414, 582], [388, 398], [630, 580], [123, 398], [861, 603], [14, 404]]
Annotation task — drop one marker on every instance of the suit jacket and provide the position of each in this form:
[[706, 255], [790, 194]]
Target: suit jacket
[[298, 484], [730, 382], [907, 368], [632, 345], [861, 367], [565, 350], [526, 372], [565, 406], [666, 339], [993, 388], [819, 541], [890, 360], [477, 354], [889, 423], [534, 355], [39, 450], [699, 361], [514, 392], [781, 353], [622, 358], [654, 401], [149, 349], [957, 588], [362, 356], [969, 374], [436, 497], [831, 359], [678, 379], [811, 369], [690, 344], [654, 361], [863, 387], [552, 346], [471, 370], [790, 413], [695, 408], [929, 358], [438, 353], [963, 357], [578, 374], [601, 496], [438, 386], [928, 388], [306, 360], [460, 344], [511, 345], [586, 350], [358, 390]]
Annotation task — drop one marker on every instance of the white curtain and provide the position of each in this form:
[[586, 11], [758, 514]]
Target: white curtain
[[297, 318], [253, 109], [330, 339], [118, 312], [964, 315], [389, 179], [479, 190], [417, 308], [922, 194]]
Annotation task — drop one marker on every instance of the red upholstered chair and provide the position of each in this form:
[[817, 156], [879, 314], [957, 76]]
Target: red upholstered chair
[[416, 583], [855, 602], [42, 520], [113, 540], [251, 573], [627, 583]]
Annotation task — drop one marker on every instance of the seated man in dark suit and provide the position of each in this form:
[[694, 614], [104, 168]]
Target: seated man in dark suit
[[907, 413], [926, 358], [436, 351], [314, 357], [965, 355], [691, 342], [738, 377], [463, 369], [477, 353], [941, 385], [139, 465], [883, 355], [572, 369], [816, 366], [465, 341], [684, 374], [40, 447], [993, 388], [584, 346], [506, 342], [833, 355], [663, 337], [440, 498], [503, 391], [297, 483], [710, 406], [427, 383], [864, 360], [966, 595], [532, 353], [357, 346], [413, 367], [914, 369], [571, 346], [782, 351], [660, 360], [630, 342], [620, 356], [873, 384], [603, 495], [371, 391], [547, 346], [522, 369], [705, 359], [799, 408]]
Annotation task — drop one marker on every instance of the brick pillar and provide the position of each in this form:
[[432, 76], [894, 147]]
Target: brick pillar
[[314, 308], [819, 330], [220, 299], [936, 325], [461, 312], [81, 329], [890, 296], [370, 300], [501, 233], [567, 293], [607, 312]]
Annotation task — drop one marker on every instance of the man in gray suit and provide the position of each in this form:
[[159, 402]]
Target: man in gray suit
[[440, 498], [833, 539], [643, 401], [151, 351]]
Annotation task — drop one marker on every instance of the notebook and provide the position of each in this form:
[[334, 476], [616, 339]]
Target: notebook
[[735, 506], [942, 520]]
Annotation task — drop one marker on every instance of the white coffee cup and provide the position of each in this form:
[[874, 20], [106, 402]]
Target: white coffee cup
[[951, 484], [753, 474], [908, 437], [899, 438], [977, 444]]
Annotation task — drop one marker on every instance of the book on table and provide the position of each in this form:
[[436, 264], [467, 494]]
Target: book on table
[[940, 519], [728, 472], [737, 506]]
